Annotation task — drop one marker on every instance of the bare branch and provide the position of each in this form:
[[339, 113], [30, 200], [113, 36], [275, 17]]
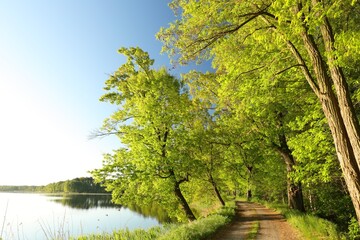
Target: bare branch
[[101, 134]]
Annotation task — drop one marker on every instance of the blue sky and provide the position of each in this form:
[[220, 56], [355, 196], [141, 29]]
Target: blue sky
[[54, 59]]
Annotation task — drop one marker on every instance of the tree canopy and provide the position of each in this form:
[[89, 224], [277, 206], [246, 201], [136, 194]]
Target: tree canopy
[[277, 119], [271, 43]]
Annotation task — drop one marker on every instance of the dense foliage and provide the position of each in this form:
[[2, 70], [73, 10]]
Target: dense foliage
[[277, 119], [76, 185]]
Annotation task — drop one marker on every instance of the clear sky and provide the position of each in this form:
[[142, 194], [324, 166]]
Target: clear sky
[[54, 59]]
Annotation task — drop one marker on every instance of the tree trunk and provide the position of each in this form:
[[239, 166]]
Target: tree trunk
[[249, 193], [347, 110], [219, 195], [338, 116], [295, 196], [189, 214], [344, 149], [217, 192], [312, 201], [294, 190]]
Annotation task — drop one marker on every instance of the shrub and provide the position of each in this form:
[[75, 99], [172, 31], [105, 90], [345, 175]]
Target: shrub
[[354, 229]]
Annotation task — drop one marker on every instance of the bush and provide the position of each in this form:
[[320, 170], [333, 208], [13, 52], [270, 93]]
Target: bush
[[354, 229]]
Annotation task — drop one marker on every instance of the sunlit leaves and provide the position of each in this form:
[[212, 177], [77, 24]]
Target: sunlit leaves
[[149, 122], [260, 90]]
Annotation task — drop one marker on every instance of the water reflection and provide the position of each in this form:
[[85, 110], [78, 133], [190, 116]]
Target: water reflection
[[154, 211], [39, 216], [84, 201], [89, 201]]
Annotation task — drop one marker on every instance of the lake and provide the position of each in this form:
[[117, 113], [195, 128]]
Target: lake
[[40, 216]]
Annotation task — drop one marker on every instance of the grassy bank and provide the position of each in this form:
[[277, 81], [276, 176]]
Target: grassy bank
[[310, 226], [196, 230]]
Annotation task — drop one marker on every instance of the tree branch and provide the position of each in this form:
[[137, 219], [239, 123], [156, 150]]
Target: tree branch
[[101, 134], [288, 68], [228, 30], [299, 59], [169, 174]]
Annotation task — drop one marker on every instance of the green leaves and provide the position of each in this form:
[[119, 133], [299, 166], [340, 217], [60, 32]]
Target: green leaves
[[152, 115], [257, 107], [266, 73]]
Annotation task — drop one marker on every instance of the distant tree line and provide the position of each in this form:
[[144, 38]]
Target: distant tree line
[[22, 188], [76, 185]]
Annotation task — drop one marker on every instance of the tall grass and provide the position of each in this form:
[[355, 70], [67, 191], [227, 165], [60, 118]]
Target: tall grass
[[126, 234], [196, 230], [4, 220], [310, 226], [313, 227]]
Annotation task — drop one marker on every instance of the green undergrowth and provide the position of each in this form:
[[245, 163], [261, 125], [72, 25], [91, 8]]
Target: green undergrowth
[[196, 230], [310, 226]]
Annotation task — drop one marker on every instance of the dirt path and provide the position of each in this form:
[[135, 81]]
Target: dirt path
[[272, 225]]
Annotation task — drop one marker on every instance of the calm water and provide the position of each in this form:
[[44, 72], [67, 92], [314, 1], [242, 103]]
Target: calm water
[[37, 216]]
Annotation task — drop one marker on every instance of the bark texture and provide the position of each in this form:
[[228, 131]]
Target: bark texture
[[337, 106], [294, 189]]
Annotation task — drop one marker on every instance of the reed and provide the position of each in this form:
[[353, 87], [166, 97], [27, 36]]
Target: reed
[[4, 220], [58, 231]]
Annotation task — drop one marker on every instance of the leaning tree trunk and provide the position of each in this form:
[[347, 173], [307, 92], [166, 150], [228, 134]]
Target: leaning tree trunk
[[338, 110], [347, 110], [188, 212], [217, 192], [344, 150], [294, 189]]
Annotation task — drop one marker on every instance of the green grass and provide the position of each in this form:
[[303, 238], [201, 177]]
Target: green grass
[[196, 230], [254, 231], [125, 234], [310, 226]]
